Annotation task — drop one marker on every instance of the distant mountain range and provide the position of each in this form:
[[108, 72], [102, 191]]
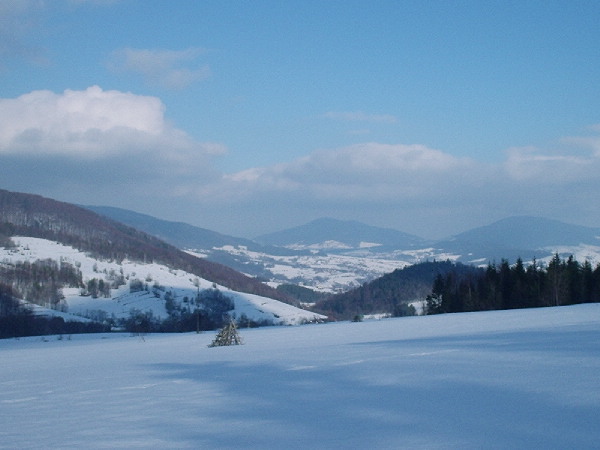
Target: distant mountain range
[[180, 234], [334, 255], [357, 261], [334, 234]]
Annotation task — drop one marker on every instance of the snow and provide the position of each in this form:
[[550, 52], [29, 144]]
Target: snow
[[329, 268], [368, 244], [159, 278], [581, 253], [507, 379], [326, 245], [324, 272]]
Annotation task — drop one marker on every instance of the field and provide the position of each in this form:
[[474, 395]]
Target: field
[[506, 379]]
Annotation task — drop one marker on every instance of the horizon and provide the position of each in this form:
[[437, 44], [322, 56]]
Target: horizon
[[324, 218], [246, 119]]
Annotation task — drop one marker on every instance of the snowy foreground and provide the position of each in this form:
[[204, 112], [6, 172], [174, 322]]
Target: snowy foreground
[[509, 379]]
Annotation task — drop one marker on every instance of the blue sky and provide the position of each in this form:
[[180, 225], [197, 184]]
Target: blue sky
[[250, 116]]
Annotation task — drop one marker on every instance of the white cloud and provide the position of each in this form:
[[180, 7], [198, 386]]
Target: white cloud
[[94, 123], [172, 69], [359, 116], [526, 164], [412, 188], [370, 171]]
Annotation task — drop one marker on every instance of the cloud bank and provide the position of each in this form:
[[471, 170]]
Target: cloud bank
[[116, 148], [418, 189]]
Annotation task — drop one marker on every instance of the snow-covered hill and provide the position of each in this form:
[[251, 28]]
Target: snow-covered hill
[[158, 281], [507, 379]]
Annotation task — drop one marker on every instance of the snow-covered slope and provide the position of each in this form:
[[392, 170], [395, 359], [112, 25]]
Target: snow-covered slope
[[523, 379], [158, 279]]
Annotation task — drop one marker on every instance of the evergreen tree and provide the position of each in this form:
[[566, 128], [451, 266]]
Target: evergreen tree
[[556, 288], [505, 287]]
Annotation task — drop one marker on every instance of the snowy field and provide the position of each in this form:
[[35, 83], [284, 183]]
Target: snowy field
[[510, 379]]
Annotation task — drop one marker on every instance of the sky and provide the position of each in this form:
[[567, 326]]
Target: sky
[[247, 117]]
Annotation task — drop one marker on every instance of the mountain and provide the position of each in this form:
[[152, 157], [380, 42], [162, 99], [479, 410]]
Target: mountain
[[334, 234], [180, 234], [334, 256], [236, 253], [66, 269], [522, 236], [50, 288]]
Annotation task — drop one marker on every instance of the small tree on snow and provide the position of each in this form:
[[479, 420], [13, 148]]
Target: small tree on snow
[[228, 335]]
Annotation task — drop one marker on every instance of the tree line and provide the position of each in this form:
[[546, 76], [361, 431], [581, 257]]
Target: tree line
[[17, 320], [391, 293], [208, 310], [41, 281], [506, 286]]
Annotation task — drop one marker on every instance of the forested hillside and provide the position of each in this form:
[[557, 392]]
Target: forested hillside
[[562, 282], [451, 287], [36, 216], [390, 293]]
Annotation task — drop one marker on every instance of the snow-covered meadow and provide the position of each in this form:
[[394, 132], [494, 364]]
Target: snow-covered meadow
[[507, 379]]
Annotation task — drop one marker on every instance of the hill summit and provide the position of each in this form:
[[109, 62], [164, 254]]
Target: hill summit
[[344, 234]]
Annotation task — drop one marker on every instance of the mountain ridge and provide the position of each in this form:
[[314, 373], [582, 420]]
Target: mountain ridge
[[333, 265]]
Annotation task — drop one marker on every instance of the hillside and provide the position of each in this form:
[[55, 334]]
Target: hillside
[[71, 285], [179, 234], [525, 237], [391, 293], [36, 216]]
